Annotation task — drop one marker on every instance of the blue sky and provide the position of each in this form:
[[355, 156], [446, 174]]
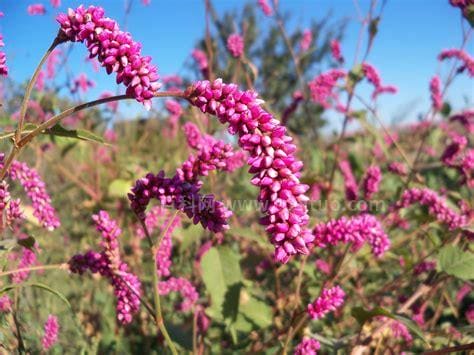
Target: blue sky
[[411, 35]]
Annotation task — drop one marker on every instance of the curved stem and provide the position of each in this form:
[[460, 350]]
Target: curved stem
[[34, 268], [23, 141], [29, 88]]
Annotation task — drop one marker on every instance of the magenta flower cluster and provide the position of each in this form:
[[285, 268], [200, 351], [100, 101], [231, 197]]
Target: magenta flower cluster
[[9, 208], [357, 230], [163, 259], [307, 346], [35, 188], [127, 286], [457, 155], [181, 195], [272, 161], [423, 267], [36, 9], [437, 206], [435, 90], [51, 330], [184, 287], [329, 300], [183, 190], [336, 51], [28, 258], [373, 77], [350, 184], [466, 119], [266, 8], [212, 154], [3, 59], [235, 45], [5, 304], [115, 50], [371, 181], [306, 40], [464, 57], [201, 59], [397, 168], [322, 87], [398, 329]]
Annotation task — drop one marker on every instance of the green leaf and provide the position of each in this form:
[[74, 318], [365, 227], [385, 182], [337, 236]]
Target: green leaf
[[119, 188], [230, 307], [456, 262], [180, 336], [256, 311], [221, 270], [27, 242], [82, 134], [362, 315]]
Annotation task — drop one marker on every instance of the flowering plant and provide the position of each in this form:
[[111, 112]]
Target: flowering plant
[[226, 222]]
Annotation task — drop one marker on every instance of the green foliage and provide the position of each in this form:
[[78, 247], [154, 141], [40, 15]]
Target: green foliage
[[456, 262]]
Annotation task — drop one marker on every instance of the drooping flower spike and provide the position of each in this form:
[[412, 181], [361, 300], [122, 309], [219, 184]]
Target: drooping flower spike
[[235, 45], [3, 59], [437, 206], [272, 161], [107, 262], [306, 40], [371, 181], [115, 50], [266, 8], [36, 9], [35, 188], [184, 287], [330, 300], [308, 346], [435, 89], [51, 330], [357, 230], [461, 55]]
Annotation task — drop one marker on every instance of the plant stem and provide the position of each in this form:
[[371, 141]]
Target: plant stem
[[29, 89], [34, 268], [156, 295], [22, 141]]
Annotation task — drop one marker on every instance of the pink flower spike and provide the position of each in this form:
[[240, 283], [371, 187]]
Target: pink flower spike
[[371, 181], [272, 160], [5, 304], [36, 9], [308, 346], [356, 230], [436, 205], [435, 89], [51, 330], [336, 51], [3, 59], [464, 57], [330, 300], [124, 58], [266, 8], [306, 40], [55, 3], [235, 45]]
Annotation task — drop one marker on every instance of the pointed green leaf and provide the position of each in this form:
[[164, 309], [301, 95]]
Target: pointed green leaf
[[81, 134]]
